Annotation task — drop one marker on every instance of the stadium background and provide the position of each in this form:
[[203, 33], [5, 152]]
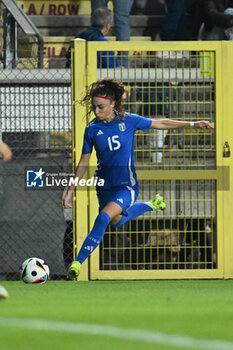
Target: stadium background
[[191, 81]]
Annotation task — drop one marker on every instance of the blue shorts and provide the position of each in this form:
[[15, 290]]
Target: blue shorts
[[125, 196]]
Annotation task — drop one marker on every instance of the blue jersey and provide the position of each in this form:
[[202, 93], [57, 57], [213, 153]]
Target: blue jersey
[[114, 145]]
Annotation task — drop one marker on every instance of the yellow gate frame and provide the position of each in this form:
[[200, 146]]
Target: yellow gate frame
[[84, 72]]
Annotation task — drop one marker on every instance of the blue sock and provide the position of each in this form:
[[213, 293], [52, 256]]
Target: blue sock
[[136, 210], [95, 237]]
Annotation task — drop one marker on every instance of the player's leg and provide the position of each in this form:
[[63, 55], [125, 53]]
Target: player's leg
[[118, 202], [94, 237], [139, 208]]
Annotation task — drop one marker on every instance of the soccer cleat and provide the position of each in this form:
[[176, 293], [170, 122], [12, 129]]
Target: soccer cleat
[[74, 270], [157, 202]]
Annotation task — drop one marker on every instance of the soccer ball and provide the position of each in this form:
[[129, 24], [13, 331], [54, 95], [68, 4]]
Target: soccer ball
[[34, 270]]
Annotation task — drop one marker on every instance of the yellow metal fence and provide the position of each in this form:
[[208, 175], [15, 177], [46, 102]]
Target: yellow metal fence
[[192, 237]]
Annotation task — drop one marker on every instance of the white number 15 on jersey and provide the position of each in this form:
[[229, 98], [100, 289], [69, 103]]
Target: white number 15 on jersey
[[113, 143]]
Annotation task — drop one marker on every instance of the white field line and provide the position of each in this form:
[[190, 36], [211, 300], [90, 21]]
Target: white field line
[[115, 332]]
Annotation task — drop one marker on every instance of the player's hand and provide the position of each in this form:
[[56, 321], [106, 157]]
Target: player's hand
[[7, 155], [65, 204], [204, 124]]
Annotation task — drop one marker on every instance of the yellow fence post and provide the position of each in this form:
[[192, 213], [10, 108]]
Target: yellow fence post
[[80, 197], [93, 207], [226, 118]]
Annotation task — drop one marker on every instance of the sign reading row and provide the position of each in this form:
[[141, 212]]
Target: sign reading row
[[56, 7]]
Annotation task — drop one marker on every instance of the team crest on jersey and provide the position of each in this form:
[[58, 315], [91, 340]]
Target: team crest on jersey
[[122, 126]]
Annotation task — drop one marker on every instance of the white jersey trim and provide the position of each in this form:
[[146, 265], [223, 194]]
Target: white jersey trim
[[132, 192], [132, 179]]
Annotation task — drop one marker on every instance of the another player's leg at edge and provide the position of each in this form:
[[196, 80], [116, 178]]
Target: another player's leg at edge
[[156, 203]]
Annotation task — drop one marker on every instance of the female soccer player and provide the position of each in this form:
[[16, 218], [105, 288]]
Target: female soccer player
[[111, 132]]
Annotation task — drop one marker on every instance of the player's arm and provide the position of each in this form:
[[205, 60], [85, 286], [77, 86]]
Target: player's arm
[[165, 124], [79, 172], [5, 151]]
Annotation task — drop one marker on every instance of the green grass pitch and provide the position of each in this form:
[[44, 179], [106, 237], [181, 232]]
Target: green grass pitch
[[199, 312]]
